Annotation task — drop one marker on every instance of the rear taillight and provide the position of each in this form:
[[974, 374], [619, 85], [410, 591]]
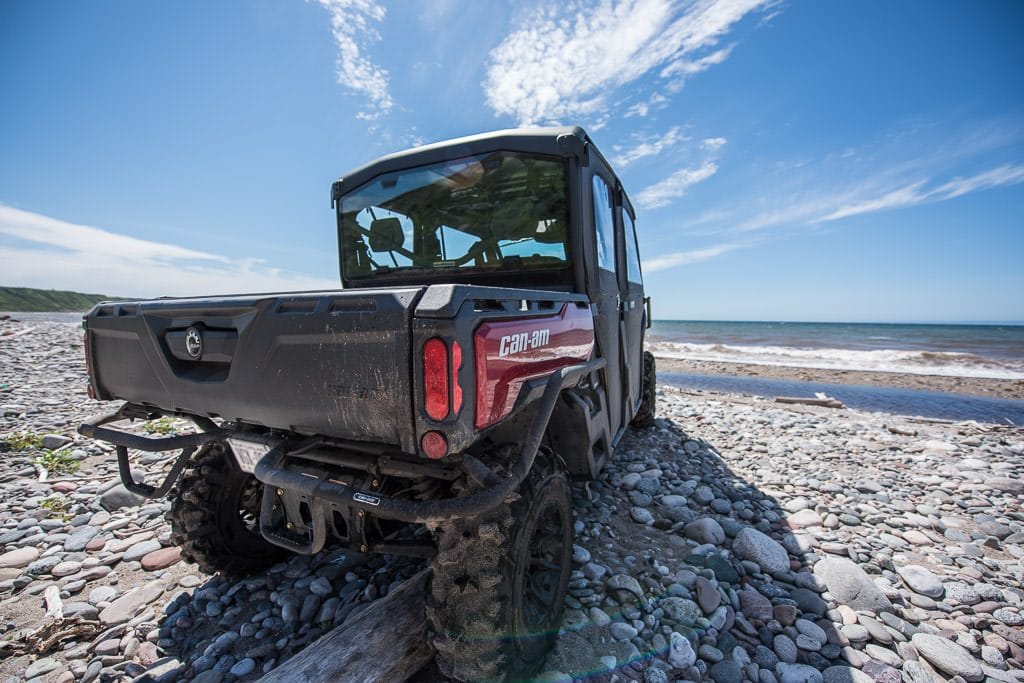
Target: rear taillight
[[456, 389], [434, 445], [435, 378]]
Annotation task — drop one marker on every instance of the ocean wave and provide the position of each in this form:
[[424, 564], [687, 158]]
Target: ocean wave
[[878, 360]]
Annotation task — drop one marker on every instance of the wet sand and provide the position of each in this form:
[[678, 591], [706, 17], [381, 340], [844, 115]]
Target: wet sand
[[973, 386]]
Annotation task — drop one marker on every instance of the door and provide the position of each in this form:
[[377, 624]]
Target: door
[[633, 322], [605, 293]]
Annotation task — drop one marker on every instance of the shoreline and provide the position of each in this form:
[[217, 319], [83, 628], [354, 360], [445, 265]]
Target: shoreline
[[969, 386]]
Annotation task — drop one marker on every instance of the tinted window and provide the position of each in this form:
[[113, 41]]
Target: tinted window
[[632, 253], [605, 224]]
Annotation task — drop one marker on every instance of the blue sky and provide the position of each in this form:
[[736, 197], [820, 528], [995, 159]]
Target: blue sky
[[790, 160]]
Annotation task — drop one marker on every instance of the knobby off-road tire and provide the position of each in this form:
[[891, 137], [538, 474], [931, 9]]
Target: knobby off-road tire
[[214, 516], [499, 580], [645, 415]]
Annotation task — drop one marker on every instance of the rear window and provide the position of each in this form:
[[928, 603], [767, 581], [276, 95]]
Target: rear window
[[484, 212]]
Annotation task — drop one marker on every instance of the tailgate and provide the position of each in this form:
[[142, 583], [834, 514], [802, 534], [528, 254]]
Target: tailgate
[[331, 363]]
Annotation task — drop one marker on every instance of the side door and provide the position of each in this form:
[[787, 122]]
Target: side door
[[633, 316], [605, 293]]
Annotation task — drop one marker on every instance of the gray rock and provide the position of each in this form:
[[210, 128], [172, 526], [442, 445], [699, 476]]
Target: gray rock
[[119, 497], [41, 667], [102, 594], [797, 673], [947, 656], [680, 651], [641, 515], [766, 552], [77, 541], [140, 549], [850, 585], [621, 631], [52, 442], [920, 580], [845, 674], [785, 648], [125, 607], [726, 671], [321, 586], [243, 667], [705, 530], [18, 558], [624, 583], [681, 610]]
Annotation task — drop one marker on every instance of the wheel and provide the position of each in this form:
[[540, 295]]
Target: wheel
[[645, 414], [499, 580], [214, 517]]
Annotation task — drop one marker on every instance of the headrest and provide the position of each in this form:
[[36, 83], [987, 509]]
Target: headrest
[[386, 234]]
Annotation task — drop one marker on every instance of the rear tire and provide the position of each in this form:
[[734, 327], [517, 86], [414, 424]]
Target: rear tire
[[500, 579], [644, 417], [214, 516]]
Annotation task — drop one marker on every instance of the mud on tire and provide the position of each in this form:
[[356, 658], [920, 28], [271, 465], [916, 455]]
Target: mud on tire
[[645, 414], [214, 516], [500, 579]]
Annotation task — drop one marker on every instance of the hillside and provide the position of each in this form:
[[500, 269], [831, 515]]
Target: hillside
[[27, 299]]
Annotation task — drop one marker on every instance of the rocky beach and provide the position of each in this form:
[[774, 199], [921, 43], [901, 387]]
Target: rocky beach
[[737, 540]]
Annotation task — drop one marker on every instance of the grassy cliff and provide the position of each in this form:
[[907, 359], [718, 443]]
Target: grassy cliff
[[26, 299]]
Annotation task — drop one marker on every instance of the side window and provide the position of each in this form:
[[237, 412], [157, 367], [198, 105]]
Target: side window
[[605, 224], [632, 253]]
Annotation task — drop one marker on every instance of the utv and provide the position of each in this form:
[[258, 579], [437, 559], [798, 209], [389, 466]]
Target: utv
[[487, 342]]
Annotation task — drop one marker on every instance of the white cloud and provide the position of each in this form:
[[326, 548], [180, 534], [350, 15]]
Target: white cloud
[[564, 63], [49, 253], [713, 144], [681, 258], [917, 193], [649, 145], [663, 192], [352, 24]]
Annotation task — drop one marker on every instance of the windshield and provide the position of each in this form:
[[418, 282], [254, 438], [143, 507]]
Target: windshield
[[485, 212]]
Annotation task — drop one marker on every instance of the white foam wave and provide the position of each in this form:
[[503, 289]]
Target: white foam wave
[[877, 360]]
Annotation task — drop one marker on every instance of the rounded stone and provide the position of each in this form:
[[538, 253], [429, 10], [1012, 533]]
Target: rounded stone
[[766, 552], [947, 656]]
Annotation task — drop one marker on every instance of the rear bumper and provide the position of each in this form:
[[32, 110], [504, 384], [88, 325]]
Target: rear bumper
[[271, 471]]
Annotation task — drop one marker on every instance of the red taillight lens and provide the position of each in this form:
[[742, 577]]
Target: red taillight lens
[[435, 379], [456, 389], [434, 445]]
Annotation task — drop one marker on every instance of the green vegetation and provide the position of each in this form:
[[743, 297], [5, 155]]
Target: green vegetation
[[163, 426], [22, 441], [56, 462], [24, 299], [58, 505]]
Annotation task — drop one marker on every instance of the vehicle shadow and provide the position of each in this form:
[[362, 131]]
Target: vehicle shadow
[[688, 570]]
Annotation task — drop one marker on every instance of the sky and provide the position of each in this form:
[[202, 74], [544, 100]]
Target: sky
[[789, 160]]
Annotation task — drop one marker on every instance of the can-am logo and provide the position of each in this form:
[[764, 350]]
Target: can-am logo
[[524, 341]]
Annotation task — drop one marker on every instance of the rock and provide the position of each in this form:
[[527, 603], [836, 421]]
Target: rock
[[125, 607], [751, 544], [80, 539], [41, 667], [624, 583], [726, 671], [681, 610], [119, 497], [641, 515], [755, 606], [672, 501], [102, 594], [850, 585], [947, 656], [1006, 485], [243, 667], [922, 581], [52, 442], [680, 651], [321, 586], [845, 674], [621, 631], [797, 673], [705, 530], [65, 568], [161, 559], [708, 596], [138, 550], [784, 647], [18, 558], [804, 518]]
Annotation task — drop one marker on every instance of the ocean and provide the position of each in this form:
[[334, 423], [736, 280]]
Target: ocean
[[993, 351], [980, 351]]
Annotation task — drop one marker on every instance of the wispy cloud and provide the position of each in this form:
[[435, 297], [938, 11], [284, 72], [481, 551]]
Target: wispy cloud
[[566, 62], [920, 192], [646, 145], [45, 252], [353, 25], [675, 186], [681, 258]]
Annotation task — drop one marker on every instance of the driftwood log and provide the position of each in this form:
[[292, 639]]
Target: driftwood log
[[385, 642], [818, 400]]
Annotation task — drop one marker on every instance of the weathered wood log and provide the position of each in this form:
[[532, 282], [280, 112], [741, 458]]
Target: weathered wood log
[[385, 642], [823, 401]]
